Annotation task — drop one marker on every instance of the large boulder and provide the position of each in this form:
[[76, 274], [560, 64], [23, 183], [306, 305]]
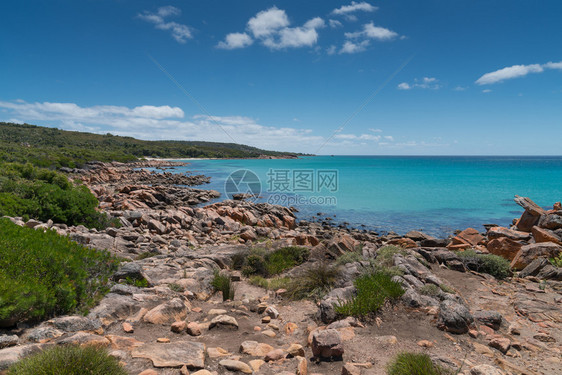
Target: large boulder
[[466, 239], [534, 267], [454, 317], [545, 235], [168, 312], [551, 220], [327, 344], [499, 232], [530, 216], [176, 354], [131, 271], [504, 247], [530, 252]]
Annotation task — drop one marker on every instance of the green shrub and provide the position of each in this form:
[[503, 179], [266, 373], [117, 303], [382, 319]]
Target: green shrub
[[557, 261], [485, 263], [373, 290], [431, 290], [47, 195], [350, 257], [139, 283], [223, 283], [414, 364], [314, 283], [271, 284], [258, 261], [176, 287], [69, 360], [385, 254], [43, 274]]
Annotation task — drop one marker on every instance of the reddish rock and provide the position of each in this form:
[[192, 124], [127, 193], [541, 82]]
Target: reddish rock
[[528, 253], [128, 327], [289, 221], [529, 206], [545, 235], [499, 232], [504, 247], [274, 355], [179, 326], [469, 236], [403, 242], [527, 221], [327, 344], [500, 343], [193, 329], [343, 243]]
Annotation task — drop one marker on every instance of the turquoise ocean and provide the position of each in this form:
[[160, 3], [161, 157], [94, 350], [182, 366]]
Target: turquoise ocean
[[436, 194]]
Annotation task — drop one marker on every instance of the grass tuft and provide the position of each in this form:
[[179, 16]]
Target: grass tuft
[[69, 360], [223, 283], [260, 262], [373, 290], [414, 364], [557, 261], [314, 282], [485, 263]]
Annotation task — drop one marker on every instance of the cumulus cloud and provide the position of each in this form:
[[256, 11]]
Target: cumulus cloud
[[373, 32], [334, 24], [181, 33], [423, 83], [354, 7], [272, 28], [516, 71], [236, 40], [352, 47]]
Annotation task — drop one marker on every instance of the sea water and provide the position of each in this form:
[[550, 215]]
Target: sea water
[[436, 194]]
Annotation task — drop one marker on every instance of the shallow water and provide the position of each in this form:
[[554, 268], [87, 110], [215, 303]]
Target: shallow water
[[437, 194]]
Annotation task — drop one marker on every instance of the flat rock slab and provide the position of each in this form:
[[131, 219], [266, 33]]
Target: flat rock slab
[[177, 354]]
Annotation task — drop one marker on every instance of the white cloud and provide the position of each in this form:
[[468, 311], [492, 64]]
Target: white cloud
[[485, 91], [355, 7], [331, 50], [271, 28], [179, 31], [373, 32], [423, 83], [460, 88], [236, 40], [268, 22], [334, 24], [351, 47], [515, 71]]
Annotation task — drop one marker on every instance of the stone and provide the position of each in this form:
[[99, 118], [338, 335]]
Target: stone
[[216, 312], [232, 365], [217, 352], [534, 267], [43, 334], [526, 222], [193, 329], [530, 252], [255, 364], [550, 272], [551, 221], [9, 356], [500, 343], [499, 232], [485, 370], [8, 340], [168, 312], [162, 340], [76, 323], [504, 247], [275, 355], [469, 237], [269, 333], [290, 328], [387, 340], [223, 321], [148, 372], [483, 349], [157, 226], [350, 369], [131, 271], [123, 343], [405, 243], [302, 366], [272, 312], [85, 339], [545, 235], [255, 349], [295, 350], [178, 327], [425, 343], [176, 354], [327, 344], [454, 317], [128, 327], [492, 319], [529, 206]]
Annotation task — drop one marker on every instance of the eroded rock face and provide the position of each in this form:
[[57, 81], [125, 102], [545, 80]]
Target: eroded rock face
[[327, 344], [530, 252], [466, 239], [167, 313], [454, 317], [504, 247]]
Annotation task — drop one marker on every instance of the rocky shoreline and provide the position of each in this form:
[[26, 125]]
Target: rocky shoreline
[[176, 324]]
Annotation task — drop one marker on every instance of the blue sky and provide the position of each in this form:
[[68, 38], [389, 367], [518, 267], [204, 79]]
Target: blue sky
[[328, 77]]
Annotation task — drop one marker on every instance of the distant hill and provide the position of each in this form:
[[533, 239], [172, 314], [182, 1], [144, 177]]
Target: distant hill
[[51, 147]]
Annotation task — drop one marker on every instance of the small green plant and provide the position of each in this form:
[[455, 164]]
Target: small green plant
[[414, 364], [223, 283], [314, 283], [258, 261], [373, 290], [447, 289], [176, 287], [385, 254], [271, 284], [350, 257], [557, 261], [69, 360], [148, 254], [485, 263], [431, 290], [139, 283]]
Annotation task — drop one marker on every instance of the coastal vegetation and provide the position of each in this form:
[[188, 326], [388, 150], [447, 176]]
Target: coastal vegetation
[[38, 193], [69, 360], [43, 274], [223, 283], [259, 261], [55, 148], [407, 363], [485, 263]]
